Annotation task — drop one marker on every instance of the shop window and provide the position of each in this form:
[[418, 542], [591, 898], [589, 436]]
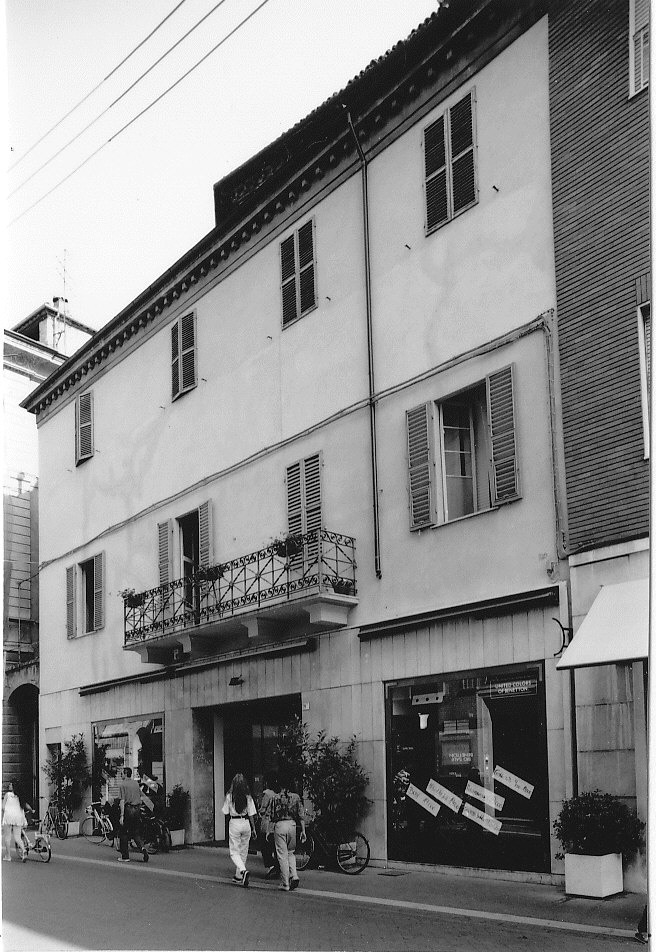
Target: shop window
[[134, 742], [468, 770]]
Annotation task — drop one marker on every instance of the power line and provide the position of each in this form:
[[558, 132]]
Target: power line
[[140, 114], [118, 99], [91, 92]]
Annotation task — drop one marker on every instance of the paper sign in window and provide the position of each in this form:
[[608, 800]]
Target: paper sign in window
[[444, 795], [487, 796], [509, 779], [489, 823], [422, 799]]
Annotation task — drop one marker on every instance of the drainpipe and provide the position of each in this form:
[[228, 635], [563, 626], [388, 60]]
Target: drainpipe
[[370, 351]]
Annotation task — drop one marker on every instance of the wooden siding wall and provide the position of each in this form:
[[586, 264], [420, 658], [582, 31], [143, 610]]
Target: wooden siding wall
[[600, 165]]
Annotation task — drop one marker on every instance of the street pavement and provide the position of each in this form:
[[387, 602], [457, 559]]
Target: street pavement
[[84, 899]]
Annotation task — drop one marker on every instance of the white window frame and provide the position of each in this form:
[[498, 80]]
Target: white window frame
[[644, 316], [76, 597], [638, 36]]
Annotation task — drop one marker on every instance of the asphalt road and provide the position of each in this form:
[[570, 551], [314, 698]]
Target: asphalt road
[[74, 903]]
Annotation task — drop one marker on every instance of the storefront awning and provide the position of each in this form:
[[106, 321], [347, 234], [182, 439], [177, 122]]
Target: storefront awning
[[616, 629]]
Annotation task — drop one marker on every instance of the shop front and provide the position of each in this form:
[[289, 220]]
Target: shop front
[[467, 769], [135, 742]]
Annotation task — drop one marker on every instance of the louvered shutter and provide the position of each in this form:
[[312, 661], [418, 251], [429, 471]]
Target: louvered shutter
[[306, 266], [421, 465], [71, 602], [98, 591], [502, 433], [84, 427], [164, 552], [462, 153], [437, 207], [205, 534], [641, 45], [175, 361], [312, 493], [188, 351], [646, 316], [294, 499], [288, 279]]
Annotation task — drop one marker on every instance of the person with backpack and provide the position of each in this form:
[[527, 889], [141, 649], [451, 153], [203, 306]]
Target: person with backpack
[[239, 806], [286, 811]]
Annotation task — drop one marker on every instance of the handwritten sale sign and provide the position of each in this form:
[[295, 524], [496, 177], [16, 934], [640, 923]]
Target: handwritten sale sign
[[444, 795], [509, 779], [487, 796], [489, 823], [422, 799]]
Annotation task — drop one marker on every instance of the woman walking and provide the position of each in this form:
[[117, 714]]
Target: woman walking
[[267, 847], [13, 821], [239, 806], [286, 811]]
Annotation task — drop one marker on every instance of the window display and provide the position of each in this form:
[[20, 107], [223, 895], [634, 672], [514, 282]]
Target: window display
[[135, 742], [468, 769]]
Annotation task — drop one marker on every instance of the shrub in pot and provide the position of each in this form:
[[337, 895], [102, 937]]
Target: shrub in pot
[[69, 774], [596, 829], [176, 813]]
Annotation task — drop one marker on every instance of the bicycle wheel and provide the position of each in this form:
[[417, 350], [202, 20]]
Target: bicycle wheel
[[42, 850], [304, 851], [61, 827], [92, 830], [353, 854]]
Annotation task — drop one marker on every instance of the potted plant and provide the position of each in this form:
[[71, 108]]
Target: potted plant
[[343, 586], [69, 773], [131, 598], [210, 573], [596, 829], [177, 804], [288, 546]]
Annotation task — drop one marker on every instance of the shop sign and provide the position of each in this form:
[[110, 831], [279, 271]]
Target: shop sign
[[422, 799], [510, 688], [487, 796], [509, 779], [444, 795], [489, 823]]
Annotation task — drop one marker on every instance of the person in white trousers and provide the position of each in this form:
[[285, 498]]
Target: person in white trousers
[[286, 811], [240, 807]]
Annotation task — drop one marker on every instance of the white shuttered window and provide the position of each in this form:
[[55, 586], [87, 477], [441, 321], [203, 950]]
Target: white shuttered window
[[83, 427], [298, 273], [85, 596], [184, 375], [639, 44], [450, 163], [304, 499]]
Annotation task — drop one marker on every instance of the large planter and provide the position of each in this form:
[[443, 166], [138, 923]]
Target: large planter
[[593, 876], [177, 837], [73, 828]]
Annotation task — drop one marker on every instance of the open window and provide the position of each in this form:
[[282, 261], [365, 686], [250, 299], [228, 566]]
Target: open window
[[85, 596]]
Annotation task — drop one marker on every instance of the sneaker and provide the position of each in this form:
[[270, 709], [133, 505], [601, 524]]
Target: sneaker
[[24, 856], [272, 873], [237, 878], [294, 883], [245, 876], [123, 859], [145, 854], [284, 887]]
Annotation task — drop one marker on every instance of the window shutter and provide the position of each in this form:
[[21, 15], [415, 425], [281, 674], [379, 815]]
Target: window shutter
[[288, 279], [175, 361], [188, 351], [98, 591], [502, 433], [306, 266], [205, 533], [462, 153], [294, 499], [84, 427], [641, 45], [164, 552], [437, 208], [312, 493], [71, 604], [421, 467], [646, 317]]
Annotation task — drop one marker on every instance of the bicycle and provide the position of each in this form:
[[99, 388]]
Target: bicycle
[[97, 827], [351, 853], [39, 845], [55, 820]]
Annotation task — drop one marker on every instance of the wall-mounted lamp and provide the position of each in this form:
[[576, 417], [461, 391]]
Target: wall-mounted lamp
[[237, 679], [423, 722]]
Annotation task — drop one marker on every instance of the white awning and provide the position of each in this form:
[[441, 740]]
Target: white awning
[[616, 629]]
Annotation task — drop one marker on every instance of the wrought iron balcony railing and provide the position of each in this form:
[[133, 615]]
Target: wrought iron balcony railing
[[317, 563]]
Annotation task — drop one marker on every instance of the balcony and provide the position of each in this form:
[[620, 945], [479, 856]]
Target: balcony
[[292, 588]]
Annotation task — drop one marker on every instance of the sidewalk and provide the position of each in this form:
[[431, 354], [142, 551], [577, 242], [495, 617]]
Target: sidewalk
[[464, 895]]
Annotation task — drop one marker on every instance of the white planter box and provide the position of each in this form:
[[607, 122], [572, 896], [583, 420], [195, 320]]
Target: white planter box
[[73, 827], [594, 876], [177, 837]]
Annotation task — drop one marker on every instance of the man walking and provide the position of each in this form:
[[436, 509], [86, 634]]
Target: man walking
[[130, 798]]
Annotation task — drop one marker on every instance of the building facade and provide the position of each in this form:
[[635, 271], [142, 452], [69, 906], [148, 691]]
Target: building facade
[[362, 354], [32, 350]]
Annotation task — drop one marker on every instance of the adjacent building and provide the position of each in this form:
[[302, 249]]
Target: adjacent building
[[317, 468]]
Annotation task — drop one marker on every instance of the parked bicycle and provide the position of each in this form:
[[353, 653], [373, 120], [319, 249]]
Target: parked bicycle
[[55, 820], [97, 827], [40, 845], [154, 832], [350, 854]]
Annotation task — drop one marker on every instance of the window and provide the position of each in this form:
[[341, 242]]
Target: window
[[85, 598], [639, 44], [83, 427], [297, 274], [183, 355], [462, 454], [450, 166], [644, 339], [193, 544], [304, 500]]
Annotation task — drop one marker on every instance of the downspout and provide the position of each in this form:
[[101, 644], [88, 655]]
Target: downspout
[[370, 350]]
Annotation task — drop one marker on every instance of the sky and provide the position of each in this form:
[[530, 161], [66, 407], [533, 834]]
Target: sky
[[98, 219]]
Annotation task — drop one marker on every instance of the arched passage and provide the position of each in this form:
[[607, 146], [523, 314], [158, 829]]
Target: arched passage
[[20, 731]]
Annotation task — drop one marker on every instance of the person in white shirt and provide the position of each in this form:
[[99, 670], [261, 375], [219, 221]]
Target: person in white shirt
[[239, 806]]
